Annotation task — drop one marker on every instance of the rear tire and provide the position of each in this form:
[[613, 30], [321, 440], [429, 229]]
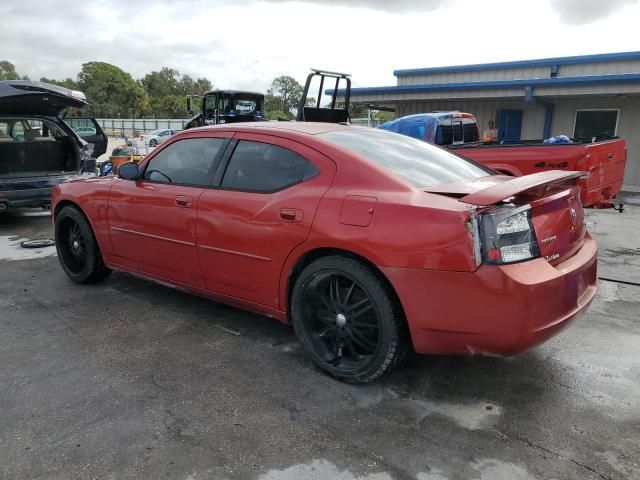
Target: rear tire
[[347, 319], [77, 248]]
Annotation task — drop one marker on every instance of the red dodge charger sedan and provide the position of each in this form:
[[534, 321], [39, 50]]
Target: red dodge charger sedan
[[370, 243]]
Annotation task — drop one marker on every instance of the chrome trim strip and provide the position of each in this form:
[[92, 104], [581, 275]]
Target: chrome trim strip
[[233, 252], [157, 237]]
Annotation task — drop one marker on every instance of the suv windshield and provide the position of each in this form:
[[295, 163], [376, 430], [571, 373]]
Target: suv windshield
[[420, 163]]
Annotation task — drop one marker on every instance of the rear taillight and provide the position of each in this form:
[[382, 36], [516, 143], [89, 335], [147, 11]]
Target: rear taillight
[[507, 235]]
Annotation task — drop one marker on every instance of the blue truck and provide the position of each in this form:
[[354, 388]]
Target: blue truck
[[438, 128]]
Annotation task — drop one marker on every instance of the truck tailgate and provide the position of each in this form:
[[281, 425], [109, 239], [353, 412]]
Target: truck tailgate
[[605, 162]]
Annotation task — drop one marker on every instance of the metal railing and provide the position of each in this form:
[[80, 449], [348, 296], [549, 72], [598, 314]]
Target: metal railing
[[133, 127]]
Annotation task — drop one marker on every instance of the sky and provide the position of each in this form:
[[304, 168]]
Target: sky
[[244, 44]]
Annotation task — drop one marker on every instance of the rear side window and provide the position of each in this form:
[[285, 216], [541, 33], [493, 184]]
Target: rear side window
[[417, 162], [413, 129], [261, 167], [191, 161]]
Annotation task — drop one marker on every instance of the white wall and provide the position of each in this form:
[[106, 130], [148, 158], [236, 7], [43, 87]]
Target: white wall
[[628, 126]]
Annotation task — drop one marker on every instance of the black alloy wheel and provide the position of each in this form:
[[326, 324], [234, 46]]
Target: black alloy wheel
[[77, 248], [347, 320]]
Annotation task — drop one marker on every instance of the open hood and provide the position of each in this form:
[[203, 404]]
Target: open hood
[[25, 97], [493, 189]]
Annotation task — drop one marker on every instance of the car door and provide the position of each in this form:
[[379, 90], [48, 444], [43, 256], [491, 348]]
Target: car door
[[164, 135], [263, 208], [152, 220], [91, 132]]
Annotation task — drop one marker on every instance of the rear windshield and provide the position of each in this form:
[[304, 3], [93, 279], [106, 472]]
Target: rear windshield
[[420, 163], [456, 133]]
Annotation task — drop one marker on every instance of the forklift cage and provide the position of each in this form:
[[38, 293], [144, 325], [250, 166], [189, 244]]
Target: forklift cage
[[317, 113]]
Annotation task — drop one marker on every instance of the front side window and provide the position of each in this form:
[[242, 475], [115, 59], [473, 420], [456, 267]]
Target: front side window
[[261, 167], [417, 162], [192, 161], [595, 123]]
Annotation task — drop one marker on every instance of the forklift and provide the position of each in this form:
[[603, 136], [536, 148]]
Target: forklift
[[333, 113], [227, 106], [232, 106]]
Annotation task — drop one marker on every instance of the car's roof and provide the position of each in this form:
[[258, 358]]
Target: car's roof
[[310, 128]]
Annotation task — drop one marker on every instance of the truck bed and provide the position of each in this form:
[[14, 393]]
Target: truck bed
[[603, 161]]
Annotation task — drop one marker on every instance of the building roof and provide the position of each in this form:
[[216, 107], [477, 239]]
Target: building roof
[[587, 80], [540, 62]]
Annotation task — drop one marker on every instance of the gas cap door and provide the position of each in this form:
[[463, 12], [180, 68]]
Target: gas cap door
[[357, 210]]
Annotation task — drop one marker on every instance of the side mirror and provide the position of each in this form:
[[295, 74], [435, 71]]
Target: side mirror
[[128, 171]]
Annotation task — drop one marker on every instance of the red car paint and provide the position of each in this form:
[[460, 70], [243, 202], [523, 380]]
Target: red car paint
[[242, 248], [602, 162]]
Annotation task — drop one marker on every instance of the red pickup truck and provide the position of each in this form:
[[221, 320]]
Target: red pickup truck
[[603, 160]]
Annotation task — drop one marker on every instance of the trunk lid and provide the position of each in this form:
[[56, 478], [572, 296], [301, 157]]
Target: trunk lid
[[557, 216], [25, 97], [558, 221]]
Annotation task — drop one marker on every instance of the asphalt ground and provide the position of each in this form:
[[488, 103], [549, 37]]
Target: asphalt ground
[[129, 379]]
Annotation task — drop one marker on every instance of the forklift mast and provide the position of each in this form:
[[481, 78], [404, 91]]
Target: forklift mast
[[327, 114]]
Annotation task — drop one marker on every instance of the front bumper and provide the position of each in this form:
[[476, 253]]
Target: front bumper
[[497, 310]]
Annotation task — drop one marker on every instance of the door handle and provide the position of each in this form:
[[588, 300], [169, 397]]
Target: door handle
[[291, 214], [184, 202]]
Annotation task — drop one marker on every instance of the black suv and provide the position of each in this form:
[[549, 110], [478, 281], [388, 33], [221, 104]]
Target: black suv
[[38, 149]]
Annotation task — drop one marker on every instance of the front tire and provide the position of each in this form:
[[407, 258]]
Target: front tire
[[77, 248], [153, 142], [348, 320]]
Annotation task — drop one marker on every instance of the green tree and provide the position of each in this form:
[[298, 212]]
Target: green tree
[[66, 83], [111, 91], [162, 83], [174, 105], [284, 95], [8, 71], [168, 89], [189, 86]]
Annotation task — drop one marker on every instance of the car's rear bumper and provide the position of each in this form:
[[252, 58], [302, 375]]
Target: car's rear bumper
[[30, 191], [36, 197], [496, 310]]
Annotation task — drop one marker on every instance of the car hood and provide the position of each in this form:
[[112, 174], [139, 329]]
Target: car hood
[[25, 97], [493, 189]]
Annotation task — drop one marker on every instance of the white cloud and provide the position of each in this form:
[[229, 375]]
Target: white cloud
[[246, 43], [578, 12]]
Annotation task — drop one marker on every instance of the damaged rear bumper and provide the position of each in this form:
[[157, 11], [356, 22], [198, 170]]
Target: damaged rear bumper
[[497, 310]]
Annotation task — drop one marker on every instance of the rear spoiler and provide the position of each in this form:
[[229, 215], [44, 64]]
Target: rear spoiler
[[502, 188], [540, 182]]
